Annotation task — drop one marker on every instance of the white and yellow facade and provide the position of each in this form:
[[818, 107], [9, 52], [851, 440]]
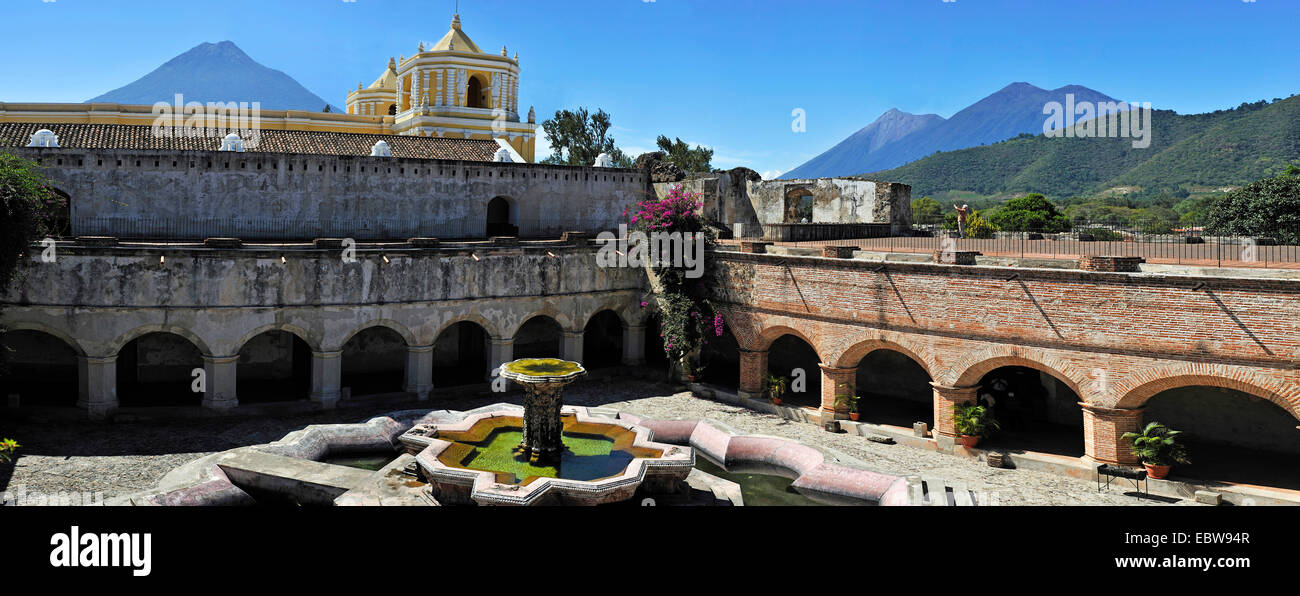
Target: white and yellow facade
[[451, 89]]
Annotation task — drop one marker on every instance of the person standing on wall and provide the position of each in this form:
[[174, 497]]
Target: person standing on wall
[[961, 219]]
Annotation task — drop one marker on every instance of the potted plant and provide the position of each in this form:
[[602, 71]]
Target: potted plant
[[7, 448], [775, 387], [850, 402], [972, 422], [1158, 448]]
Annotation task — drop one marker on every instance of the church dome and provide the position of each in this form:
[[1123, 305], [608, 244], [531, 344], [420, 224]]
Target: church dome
[[455, 40]]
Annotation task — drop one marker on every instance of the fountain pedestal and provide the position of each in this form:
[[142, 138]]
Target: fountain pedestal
[[543, 380]]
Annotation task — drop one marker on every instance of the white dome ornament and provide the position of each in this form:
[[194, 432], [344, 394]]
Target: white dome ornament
[[603, 161], [45, 138], [502, 155], [381, 150], [232, 142]]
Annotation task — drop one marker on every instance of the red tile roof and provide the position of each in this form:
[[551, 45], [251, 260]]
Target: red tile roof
[[126, 136]]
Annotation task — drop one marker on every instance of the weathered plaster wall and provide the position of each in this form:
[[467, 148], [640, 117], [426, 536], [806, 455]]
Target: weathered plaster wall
[[212, 194], [730, 200], [100, 298]]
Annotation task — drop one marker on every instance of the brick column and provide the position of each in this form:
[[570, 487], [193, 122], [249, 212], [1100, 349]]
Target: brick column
[[634, 345], [97, 385], [836, 381], [571, 346], [753, 367], [1102, 429], [220, 374], [419, 371], [945, 398], [326, 376]]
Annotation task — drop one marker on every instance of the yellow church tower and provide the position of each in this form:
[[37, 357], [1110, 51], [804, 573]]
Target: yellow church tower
[[453, 89]]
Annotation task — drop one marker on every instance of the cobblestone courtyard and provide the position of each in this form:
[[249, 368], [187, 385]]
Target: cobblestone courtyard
[[129, 456]]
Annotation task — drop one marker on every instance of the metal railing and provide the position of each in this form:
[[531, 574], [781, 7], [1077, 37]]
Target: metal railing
[[1154, 242]]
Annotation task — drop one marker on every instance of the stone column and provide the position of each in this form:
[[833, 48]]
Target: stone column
[[500, 351], [836, 381], [97, 385], [634, 345], [753, 367], [326, 374], [571, 346], [1102, 429], [945, 398], [219, 375], [419, 371]]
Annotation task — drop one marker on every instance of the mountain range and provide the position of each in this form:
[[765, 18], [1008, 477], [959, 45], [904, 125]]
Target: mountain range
[[1187, 153], [897, 137], [219, 72]]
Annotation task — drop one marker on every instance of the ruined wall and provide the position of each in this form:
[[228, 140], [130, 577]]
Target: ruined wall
[[729, 198], [277, 196]]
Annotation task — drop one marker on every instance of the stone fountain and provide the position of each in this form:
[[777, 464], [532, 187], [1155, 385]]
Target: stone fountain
[[543, 380]]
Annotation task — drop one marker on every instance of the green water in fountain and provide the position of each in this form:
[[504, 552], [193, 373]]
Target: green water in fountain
[[759, 490], [585, 457], [362, 462]]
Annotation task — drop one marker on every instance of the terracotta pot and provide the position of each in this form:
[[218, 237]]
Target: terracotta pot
[[690, 378], [776, 401], [968, 441], [854, 416], [1157, 472]]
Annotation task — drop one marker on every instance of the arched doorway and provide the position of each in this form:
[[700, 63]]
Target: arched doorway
[[274, 366], [894, 390], [539, 337], [1037, 411], [40, 368], [374, 362], [460, 355], [499, 218], [1231, 435], [720, 357], [157, 369], [793, 358], [602, 341], [474, 93]]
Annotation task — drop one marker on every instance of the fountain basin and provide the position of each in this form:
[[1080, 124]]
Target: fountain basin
[[604, 460]]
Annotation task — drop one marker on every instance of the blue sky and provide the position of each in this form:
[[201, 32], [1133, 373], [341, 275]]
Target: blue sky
[[722, 73]]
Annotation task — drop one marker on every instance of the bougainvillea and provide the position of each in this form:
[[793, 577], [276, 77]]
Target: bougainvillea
[[686, 317]]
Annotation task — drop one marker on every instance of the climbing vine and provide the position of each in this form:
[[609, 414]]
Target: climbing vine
[[686, 316]]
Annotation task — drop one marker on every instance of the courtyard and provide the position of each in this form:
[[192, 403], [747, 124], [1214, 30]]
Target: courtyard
[[135, 452]]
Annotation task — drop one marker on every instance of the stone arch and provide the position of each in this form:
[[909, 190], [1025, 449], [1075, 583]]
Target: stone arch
[[1280, 394], [621, 310], [970, 369], [120, 342], [566, 323], [52, 331], [311, 340], [389, 324], [492, 329]]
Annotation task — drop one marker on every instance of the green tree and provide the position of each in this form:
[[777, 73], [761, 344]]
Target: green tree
[[578, 137], [927, 210], [29, 210], [1032, 212], [1268, 207], [699, 159]]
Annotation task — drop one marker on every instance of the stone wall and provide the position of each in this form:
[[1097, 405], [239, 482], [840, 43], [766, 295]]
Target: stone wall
[[190, 194], [730, 198]]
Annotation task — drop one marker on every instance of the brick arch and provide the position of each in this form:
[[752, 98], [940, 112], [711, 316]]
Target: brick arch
[[851, 357], [312, 341], [389, 324], [1139, 391], [491, 329], [120, 342], [971, 368], [775, 332]]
